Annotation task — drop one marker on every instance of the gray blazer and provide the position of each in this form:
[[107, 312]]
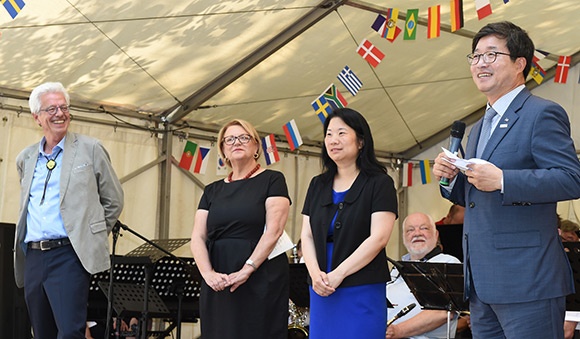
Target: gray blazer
[[91, 200], [511, 242]]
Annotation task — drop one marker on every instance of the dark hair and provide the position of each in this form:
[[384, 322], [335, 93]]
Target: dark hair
[[366, 161], [517, 40]]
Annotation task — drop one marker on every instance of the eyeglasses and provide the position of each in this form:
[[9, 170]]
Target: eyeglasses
[[243, 138], [488, 57], [53, 109]]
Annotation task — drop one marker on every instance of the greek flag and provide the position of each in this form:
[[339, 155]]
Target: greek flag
[[350, 80]]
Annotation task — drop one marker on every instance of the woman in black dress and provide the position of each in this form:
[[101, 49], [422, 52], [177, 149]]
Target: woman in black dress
[[239, 220]]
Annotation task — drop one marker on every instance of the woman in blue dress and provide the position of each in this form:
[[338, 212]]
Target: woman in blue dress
[[348, 217]]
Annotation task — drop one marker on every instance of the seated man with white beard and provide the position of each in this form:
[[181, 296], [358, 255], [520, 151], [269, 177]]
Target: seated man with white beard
[[420, 238]]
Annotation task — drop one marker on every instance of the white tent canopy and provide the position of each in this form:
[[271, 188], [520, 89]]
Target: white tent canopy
[[200, 63], [159, 73]]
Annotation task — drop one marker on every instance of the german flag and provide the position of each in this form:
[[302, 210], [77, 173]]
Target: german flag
[[456, 15]]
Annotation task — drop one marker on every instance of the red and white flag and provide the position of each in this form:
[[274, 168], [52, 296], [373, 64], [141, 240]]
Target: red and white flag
[[483, 8], [562, 69], [370, 53]]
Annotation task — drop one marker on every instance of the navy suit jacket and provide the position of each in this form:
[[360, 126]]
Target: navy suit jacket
[[512, 251]]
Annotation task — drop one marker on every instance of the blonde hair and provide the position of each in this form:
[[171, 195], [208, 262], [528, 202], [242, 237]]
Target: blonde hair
[[249, 128]]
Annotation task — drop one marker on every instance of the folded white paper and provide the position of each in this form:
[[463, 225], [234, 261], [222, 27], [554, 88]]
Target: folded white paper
[[283, 244], [461, 163]]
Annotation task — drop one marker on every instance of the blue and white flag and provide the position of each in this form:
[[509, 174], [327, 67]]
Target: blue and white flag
[[350, 80]]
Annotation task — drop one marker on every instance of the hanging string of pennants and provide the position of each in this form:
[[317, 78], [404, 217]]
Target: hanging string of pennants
[[198, 156], [538, 74], [331, 98]]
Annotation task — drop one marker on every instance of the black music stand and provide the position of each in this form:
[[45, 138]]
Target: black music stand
[[139, 267], [178, 281], [153, 252], [299, 293], [174, 282], [436, 286], [573, 253], [128, 301]]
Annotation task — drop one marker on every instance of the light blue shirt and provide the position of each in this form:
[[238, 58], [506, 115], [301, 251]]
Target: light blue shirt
[[502, 104], [43, 221]]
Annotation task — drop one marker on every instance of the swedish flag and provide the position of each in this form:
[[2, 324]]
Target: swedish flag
[[322, 108], [13, 6]]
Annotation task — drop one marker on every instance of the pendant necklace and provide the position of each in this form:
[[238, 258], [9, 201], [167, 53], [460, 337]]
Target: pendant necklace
[[50, 165]]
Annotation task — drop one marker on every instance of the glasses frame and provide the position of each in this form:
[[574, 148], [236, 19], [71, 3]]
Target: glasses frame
[[473, 58], [63, 108], [237, 137]]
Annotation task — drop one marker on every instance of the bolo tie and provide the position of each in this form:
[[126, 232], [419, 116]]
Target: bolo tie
[[50, 165]]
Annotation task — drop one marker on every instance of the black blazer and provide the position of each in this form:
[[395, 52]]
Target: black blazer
[[368, 194]]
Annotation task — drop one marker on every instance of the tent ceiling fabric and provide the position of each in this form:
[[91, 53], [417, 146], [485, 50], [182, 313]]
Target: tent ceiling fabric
[[150, 57]]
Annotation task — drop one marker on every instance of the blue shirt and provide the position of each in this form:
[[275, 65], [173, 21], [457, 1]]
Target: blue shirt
[[43, 221]]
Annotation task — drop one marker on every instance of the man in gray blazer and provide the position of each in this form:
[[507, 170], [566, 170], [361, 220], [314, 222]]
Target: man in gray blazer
[[70, 201], [516, 271]]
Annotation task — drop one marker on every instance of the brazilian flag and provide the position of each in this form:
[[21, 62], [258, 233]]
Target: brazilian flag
[[411, 24]]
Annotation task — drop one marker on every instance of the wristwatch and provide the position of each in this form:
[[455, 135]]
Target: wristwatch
[[251, 263]]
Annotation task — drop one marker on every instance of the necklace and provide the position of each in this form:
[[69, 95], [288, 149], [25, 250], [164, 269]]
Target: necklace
[[50, 165], [247, 175]]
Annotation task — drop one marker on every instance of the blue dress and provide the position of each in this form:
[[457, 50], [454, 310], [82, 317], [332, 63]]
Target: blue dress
[[350, 312]]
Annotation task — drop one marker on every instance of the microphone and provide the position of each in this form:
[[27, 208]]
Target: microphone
[[401, 313], [457, 132]]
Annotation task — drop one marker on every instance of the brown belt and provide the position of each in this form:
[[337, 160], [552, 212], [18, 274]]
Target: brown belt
[[46, 245]]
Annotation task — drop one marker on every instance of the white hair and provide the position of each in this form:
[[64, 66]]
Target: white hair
[[48, 87], [431, 221]]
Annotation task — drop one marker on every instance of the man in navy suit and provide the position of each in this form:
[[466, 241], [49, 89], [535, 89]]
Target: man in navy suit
[[516, 271]]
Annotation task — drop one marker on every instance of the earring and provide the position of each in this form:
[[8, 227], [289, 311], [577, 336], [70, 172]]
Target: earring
[[256, 155]]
